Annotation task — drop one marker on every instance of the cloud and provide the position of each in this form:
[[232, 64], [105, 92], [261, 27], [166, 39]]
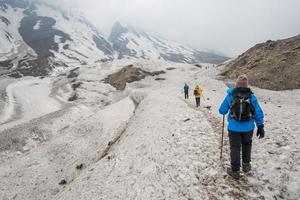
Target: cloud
[[229, 26]]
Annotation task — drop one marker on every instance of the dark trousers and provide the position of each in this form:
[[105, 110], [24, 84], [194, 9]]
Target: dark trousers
[[186, 94], [238, 140], [197, 101]]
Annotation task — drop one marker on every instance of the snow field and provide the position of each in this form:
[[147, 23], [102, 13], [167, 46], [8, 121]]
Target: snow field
[[152, 144], [80, 137], [28, 99]]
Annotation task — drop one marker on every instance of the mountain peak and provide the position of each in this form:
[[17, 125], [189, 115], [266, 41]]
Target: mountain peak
[[117, 30], [44, 37], [128, 42]]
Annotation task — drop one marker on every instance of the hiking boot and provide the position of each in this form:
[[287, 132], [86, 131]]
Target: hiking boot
[[233, 174], [246, 167]]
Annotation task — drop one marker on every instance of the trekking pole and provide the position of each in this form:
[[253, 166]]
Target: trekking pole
[[221, 154]]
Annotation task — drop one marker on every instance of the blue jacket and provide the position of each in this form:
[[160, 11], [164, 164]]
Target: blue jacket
[[236, 126], [186, 88]]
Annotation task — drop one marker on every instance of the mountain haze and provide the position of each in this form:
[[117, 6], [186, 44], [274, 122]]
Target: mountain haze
[[128, 42], [39, 38]]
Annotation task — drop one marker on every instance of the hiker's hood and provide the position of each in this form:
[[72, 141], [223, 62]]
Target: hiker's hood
[[230, 90]]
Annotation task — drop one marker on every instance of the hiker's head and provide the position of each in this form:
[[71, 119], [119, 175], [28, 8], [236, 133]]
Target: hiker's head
[[242, 81]]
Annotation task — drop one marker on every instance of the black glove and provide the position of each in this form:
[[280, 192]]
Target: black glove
[[260, 131]]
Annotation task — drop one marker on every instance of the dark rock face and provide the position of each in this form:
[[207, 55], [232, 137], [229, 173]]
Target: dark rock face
[[74, 73], [8, 36], [103, 45], [41, 40], [170, 68], [5, 20], [7, 64], [117, 30]]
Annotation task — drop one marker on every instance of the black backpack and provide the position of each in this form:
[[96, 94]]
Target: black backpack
[[196, 92], [241, 107]]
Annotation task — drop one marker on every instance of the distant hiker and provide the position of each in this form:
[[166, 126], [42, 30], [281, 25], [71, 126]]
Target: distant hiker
[[244, 110], [198, 92], [186, 91]]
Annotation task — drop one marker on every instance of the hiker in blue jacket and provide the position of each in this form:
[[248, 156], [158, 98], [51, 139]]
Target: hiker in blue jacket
[[186, 91], [244, 112]]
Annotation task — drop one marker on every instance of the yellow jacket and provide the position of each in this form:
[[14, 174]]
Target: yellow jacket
[[198, 92]]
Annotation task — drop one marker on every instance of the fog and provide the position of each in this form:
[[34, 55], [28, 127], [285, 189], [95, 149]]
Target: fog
[[227, 26]]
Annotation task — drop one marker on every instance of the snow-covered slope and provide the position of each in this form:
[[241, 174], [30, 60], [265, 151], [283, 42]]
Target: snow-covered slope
[[145, 142], [129, 42], [39, 37], [36, 37]]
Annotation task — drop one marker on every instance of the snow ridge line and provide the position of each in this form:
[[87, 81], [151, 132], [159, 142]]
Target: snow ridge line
[[122, 130], [113, 142]]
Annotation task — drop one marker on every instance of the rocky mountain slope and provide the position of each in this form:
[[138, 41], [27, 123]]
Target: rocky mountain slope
[[38, 38], [272, 65], [128, 42]]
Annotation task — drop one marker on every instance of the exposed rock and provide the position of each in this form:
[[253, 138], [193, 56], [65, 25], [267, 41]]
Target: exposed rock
[[6, 64], [42, 41], [62, 182], [198, 65], [5, 20], [188, 119], [102, 44], [155, 73], [73, 97], [46, 39], [76, 85], [271, 65], [128, 74], [73, 73], [80, 166], [170, 68], [160, 79], [208, 107]]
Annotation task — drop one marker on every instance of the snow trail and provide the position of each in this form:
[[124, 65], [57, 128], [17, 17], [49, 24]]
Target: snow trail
[[162, 156], [164, 148]]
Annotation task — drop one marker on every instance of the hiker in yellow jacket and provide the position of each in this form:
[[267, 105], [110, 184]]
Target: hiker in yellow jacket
[[198, 92]]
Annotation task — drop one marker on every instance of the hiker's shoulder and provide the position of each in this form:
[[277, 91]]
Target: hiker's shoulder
[[253, 97], [230, 90]]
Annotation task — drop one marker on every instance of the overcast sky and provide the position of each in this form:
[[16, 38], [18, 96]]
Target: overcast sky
[[228, 26]]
